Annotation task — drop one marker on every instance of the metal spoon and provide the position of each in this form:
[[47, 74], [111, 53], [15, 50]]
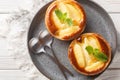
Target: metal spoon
[[43, 42]]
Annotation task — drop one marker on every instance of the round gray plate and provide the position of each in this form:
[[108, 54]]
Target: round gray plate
[[98, 21]]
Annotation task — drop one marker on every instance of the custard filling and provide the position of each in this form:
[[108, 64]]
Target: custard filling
[[83, 58]]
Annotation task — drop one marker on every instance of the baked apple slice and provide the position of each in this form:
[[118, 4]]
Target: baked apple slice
[[89, 54], [65, 19]]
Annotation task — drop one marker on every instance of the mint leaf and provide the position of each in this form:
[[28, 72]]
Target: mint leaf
[[69, 21], [63, 17], [97, 53], [59, 14], [100, 55], [89, 49]]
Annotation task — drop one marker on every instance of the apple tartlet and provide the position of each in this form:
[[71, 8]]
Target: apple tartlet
[[65, 19], [89, 54]]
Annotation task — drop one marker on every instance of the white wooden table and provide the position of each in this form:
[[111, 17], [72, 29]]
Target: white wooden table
[[8, 68]]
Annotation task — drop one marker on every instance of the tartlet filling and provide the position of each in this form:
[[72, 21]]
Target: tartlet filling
[[85, 60], [74, 13]]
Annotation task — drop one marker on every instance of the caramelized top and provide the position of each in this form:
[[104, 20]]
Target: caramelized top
[[82, 60], [61, 30]]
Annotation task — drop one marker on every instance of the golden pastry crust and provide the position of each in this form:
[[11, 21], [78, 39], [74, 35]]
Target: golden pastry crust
[[82, 61], [63, 31]]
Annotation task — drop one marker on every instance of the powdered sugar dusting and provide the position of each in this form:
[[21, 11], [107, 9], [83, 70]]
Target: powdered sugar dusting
[[19, 23]]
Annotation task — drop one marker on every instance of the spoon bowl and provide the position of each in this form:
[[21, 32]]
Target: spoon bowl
[[37, 44], [44, 41]]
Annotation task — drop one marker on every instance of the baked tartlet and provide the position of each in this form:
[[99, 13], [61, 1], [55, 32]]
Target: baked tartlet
[[65, 19], [89, 54]]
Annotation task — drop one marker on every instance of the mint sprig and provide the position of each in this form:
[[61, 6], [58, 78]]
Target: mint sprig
[[97, 53], [89, 49], [63, 17]]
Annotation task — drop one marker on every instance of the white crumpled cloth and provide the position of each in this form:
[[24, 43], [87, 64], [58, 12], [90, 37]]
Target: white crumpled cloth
[[16, 30]]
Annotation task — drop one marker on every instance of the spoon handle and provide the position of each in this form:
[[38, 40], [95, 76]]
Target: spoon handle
[[59, 65], [55, 59]]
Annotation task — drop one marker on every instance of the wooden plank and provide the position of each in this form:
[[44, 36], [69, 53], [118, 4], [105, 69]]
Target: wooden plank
[[112, 6], [4, 27], [116, 20], [116, 60], [4, 48], [7, 6], [7, 63], [12, 75]]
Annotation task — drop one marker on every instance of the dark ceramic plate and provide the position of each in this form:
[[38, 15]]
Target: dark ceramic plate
[[98, 21]]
